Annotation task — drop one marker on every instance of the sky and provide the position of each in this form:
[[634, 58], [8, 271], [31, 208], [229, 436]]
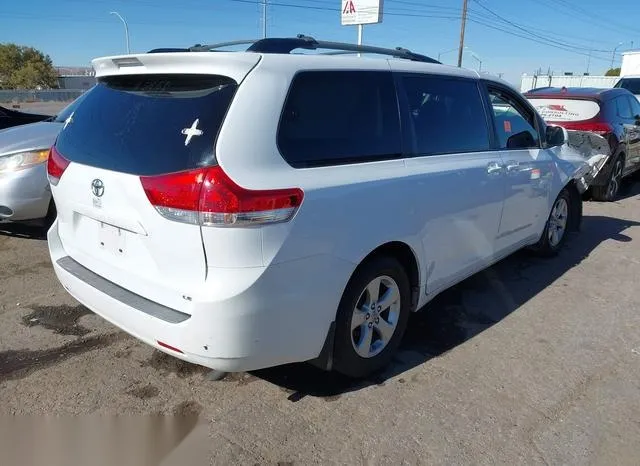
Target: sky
[[509, 37]]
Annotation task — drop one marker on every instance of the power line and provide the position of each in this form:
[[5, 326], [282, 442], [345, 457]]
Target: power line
[[490, 26], [571, 11], [533, 34]]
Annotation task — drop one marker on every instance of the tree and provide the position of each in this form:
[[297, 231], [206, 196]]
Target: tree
[[613, 72], [25, 68]]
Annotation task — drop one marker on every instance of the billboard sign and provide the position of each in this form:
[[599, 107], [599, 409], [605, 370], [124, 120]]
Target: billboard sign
[[356, 12]]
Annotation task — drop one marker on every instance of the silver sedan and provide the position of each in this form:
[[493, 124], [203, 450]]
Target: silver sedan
[[24, 188]]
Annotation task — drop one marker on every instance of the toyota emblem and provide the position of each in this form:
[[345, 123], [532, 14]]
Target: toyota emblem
[[97, 187]]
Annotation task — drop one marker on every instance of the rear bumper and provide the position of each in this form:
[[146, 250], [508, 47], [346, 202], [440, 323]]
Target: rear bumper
[[24, 195], [276, 319]]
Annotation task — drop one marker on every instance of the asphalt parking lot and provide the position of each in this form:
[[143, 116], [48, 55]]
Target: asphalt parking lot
[[531, 361]]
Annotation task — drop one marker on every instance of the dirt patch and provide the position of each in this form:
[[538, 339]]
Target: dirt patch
[[188, 408], [19, 364], [241, 378], [166, 365], [17, 270], [62, 320], [145, 392]]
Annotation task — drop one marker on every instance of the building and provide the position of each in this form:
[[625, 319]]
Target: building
[[76, 82], [75, 77]]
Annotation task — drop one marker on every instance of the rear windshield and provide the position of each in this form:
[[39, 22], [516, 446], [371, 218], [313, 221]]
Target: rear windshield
[[631, 84], [565, 109], [148, 124]]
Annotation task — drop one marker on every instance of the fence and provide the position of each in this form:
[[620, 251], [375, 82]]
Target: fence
[[52, 95], [531, 82]]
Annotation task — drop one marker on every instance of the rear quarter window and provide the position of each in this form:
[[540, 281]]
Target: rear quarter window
[[339, 117], [140, 124]]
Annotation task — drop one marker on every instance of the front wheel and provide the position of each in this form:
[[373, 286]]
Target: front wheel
[[372, 317], [555, 231]]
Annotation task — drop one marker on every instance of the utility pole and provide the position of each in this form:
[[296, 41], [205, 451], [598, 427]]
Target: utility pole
[[264, 19], [462, 28]]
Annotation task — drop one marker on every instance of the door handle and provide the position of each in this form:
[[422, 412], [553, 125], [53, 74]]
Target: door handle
[[494, 168], [512, 166]]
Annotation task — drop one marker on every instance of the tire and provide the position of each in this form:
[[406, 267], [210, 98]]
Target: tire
[[52, 213], [555, 231], [369, 345], [609, 191]]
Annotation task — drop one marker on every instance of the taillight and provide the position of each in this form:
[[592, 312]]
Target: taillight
[[209, 197], [591, 126], [56, 165]]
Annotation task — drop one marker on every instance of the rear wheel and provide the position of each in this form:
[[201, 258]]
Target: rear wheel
[[555, 231], [609, 192], [372, 317]]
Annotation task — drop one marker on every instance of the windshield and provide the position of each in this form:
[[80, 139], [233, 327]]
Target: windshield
[[69, 109], [630, 84]]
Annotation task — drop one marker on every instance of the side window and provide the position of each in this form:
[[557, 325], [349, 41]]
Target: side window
[[624, 107], [635, 106], [336, 117], [445, 115], [515, 124]]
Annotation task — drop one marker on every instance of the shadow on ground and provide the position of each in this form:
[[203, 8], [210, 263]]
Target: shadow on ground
[[23, 230], [460, 313], [630, 187]]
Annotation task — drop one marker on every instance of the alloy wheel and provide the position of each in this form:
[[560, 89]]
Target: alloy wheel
[[375, 317], [558, 221]]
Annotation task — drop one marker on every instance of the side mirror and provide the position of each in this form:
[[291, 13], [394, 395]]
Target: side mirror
[[556, 136]]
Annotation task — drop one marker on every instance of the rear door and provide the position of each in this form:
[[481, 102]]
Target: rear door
[[527, 168], [457, 175], [128, 127]]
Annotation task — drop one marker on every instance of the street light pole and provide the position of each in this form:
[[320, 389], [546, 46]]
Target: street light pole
[[126, 29], [446, 51], [264, 19], [613, 57]]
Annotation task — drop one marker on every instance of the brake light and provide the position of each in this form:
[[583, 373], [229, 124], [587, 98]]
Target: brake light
[[209, 197], [56, 165], [591, 126]]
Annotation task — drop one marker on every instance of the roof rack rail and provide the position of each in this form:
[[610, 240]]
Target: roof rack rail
[[289, 44], [168, 50], [219, 45]]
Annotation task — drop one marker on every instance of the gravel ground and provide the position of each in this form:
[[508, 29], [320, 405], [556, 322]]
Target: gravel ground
[[532, 361]]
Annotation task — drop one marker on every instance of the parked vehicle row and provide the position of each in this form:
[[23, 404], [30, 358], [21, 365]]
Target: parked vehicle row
[[612, 113], [247, 209]]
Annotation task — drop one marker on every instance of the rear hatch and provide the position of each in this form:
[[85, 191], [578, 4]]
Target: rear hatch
[[565, 110], [140, 123]]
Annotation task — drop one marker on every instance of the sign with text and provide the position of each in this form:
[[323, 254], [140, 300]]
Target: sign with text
[[356, 12]]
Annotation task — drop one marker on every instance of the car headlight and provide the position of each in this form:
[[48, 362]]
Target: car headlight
[[22, 160]]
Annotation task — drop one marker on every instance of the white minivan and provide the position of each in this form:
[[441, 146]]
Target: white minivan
[[242, 210]]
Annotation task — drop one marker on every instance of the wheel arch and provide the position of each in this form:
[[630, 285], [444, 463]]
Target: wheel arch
[[407, 257]]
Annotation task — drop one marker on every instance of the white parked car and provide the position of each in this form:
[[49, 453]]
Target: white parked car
[[24, 190], [248, 209], [630, 83]]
